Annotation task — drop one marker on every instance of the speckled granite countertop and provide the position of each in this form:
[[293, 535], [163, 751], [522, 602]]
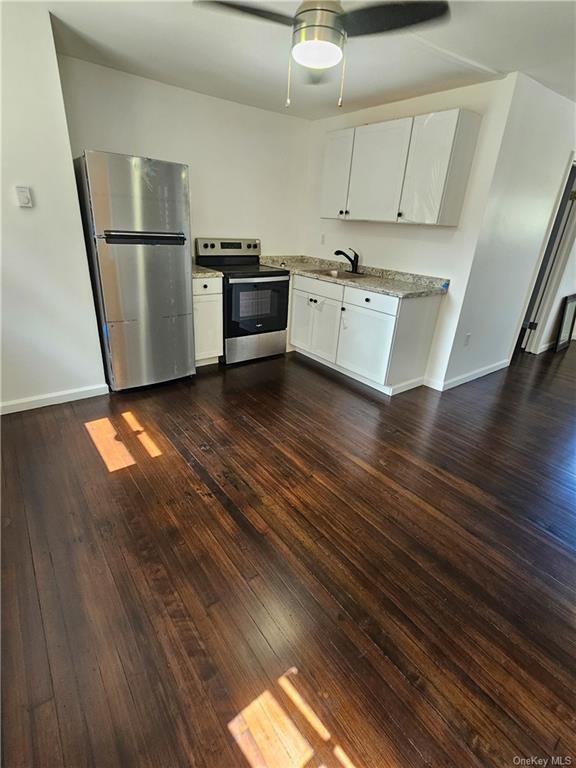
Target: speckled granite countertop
[[404, 285], [203, 272]]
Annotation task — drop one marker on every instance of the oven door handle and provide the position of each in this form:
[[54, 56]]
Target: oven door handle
[[236, 280]]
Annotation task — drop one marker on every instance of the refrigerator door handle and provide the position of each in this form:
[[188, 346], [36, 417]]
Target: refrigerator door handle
[[120, 237]]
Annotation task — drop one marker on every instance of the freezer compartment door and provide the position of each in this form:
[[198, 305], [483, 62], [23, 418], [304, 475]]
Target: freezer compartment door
[[146, 352], [140, 281], [137, 194]]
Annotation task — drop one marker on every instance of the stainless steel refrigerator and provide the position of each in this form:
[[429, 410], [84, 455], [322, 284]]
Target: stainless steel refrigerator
[[136, 217]]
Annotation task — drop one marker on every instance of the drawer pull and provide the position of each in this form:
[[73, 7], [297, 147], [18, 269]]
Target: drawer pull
[[367, 299]]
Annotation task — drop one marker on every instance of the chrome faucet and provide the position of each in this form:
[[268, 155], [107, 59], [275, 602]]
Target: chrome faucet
[[353, 261]]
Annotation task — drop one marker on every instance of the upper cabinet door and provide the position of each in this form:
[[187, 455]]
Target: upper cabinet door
[[378, 165], [427, 168], [336, 173], [441, 152]]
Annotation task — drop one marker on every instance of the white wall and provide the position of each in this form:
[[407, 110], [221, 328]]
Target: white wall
[[50, 347], [438, 251], [253, 173], [536, 150], [247, 166]]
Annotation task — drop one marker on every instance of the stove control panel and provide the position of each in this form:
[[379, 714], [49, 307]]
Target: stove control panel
[[218, 246]]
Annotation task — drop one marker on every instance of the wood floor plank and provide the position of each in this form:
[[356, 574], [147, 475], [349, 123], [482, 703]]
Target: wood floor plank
[[288, 568]]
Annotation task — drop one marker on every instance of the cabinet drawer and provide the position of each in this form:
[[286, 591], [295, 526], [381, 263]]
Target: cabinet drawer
[[318, 287], [204, 286], [370, 300]]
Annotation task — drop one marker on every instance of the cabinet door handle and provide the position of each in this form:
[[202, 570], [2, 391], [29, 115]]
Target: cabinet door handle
[[342, 309], [205, 285], [366, 299], [341, 213], [400, 214], [347, 213], [310, 299]]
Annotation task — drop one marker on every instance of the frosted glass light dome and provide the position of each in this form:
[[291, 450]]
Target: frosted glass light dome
[[317, 54]]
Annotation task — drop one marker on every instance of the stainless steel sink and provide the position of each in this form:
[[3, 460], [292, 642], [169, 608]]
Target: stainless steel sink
[[340, 273]]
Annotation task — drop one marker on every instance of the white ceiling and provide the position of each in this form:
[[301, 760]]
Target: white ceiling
[[245, 59]]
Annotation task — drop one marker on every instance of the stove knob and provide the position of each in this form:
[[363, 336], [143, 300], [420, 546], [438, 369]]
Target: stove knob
[[249, 245], [212, 245], [205, 245]]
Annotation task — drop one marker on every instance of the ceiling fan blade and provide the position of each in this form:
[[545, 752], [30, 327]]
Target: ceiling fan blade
[[251, 10], [386, 17]]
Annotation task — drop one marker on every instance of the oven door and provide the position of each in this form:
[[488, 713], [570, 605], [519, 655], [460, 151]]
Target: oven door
[[255, 305]]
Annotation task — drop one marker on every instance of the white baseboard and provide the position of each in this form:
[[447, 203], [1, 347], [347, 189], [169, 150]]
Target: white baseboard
[[545, 347], [478, 373], [53, 398], [395, 389], [206, 361], [436, 384]]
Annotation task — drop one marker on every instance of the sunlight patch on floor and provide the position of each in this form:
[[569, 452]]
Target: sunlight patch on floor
[[112, 450], [269, 738], [307, 711], [145, 439]]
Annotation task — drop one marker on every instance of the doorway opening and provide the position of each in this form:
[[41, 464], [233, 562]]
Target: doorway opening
[[554, 264]]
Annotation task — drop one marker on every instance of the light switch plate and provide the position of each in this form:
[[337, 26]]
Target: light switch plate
[[24, 196]]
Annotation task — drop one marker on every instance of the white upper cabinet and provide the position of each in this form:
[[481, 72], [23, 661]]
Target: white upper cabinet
[[411, 170], [377, 173], [336, 174], [441, 152]]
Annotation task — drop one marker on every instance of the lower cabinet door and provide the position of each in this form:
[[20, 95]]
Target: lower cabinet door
[[301, 322], [325, 328], [208, 326], [364, 342]]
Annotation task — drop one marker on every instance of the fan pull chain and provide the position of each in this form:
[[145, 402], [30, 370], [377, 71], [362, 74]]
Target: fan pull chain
[[288, 102], [341, 94]]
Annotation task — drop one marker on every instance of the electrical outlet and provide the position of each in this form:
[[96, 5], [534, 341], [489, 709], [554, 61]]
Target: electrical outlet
[[467, 339], [24, 197]]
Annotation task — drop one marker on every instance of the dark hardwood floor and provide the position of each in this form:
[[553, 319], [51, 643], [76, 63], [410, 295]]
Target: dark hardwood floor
[[288, 569]]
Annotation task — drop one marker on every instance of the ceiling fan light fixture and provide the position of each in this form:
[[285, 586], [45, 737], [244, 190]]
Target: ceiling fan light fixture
[[317, 54], [317, 45]]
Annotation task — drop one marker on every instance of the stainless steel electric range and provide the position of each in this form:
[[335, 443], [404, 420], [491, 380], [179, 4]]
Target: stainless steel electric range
[[255, 298]]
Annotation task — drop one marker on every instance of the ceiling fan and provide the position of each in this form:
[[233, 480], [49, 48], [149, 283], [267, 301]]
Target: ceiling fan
[[320, 28]]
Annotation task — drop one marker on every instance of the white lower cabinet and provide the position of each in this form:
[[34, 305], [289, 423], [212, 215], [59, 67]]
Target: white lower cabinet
[[315, 324], [365, 342], [375, 338], [326, 318], [208, 327], [301, 324]]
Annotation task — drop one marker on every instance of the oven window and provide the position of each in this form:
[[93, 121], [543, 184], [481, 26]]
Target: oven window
[[255, 308], [255, 304]]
